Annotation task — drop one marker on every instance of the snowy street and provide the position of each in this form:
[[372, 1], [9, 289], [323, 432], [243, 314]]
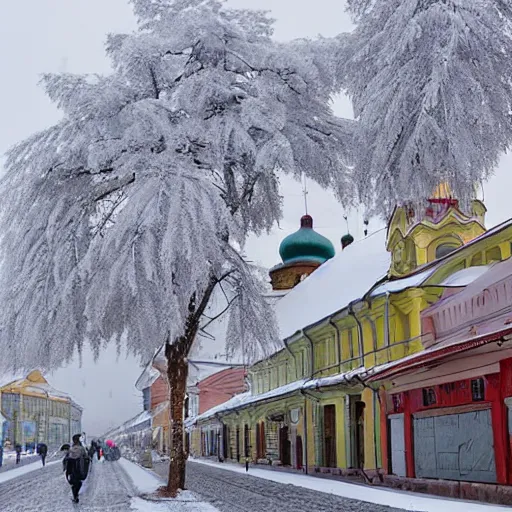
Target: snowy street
[[110, 487], [232, 491], [107, 488]]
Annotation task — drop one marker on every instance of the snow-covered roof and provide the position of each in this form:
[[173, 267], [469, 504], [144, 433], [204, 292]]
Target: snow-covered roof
[[160, 408], [46, 389], [398, 285], [34, 387], [246, 399], [335, 284], [334, 380], [11, 378], [438, 349], [140, 419], [465, 276], [147, 377]]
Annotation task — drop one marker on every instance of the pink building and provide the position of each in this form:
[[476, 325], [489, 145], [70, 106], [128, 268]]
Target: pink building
[[220, 387], [447, 414]]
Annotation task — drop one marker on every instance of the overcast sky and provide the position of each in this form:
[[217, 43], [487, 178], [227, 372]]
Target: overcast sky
[[61, 35]]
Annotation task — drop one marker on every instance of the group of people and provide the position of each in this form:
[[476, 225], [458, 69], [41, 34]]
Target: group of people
[[41, 450], [77, 460]]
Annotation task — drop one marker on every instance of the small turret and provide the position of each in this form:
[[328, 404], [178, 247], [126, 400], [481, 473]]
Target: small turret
[[302, 252], [346, 240]]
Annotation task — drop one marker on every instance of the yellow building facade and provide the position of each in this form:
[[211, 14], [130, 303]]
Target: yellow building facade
[[35, 412], [310, 406]]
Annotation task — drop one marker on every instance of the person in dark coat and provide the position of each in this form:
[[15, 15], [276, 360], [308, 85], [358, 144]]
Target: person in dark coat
[[76, 465], [42, 450], [18, 453]]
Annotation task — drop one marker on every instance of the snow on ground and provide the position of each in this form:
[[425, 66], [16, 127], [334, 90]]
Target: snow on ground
[[23, 470], [147, 482], [186, 502], [109, 487], [144, 481], [398, 499]]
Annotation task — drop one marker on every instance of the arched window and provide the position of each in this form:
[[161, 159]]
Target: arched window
[[493, 254], [477, 260], [444, 249]]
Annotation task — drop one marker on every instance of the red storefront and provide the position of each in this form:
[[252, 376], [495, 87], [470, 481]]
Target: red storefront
[[447, 411]]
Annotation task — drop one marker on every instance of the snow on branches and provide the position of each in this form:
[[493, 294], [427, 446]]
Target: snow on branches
[[120, 221], [430, 82]]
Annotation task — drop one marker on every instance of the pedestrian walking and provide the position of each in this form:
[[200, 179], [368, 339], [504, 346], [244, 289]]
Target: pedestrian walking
[[92, 450], [18, 453], [76, 464], [42, 450]]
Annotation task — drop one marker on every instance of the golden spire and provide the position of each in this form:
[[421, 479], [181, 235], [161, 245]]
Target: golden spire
[[442, 191]]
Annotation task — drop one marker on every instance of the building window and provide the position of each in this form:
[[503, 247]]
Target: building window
[[493, 255], [350, 344], [477, 260], [397, 403], [478, 390], [374, 334], [444, 249], [146, 398], [429, 397]]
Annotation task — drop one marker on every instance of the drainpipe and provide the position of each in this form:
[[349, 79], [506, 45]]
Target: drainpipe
[[293, 355], [338, 340], [386, 320], [307, 397], [220, 445], [359, 332], [312, 369], [305, 421], [375, 394]]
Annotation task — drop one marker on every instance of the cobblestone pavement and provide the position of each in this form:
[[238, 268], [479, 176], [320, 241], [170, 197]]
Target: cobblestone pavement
[[234, 492], [107, 489]]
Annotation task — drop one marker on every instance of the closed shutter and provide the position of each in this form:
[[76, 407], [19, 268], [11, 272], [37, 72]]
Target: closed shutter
[[455, 447]]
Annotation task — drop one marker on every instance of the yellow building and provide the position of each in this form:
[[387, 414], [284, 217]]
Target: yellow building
[[341, 319], [35, 412]]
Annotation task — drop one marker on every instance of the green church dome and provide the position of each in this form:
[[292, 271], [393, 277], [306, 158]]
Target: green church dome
[[306, 245]]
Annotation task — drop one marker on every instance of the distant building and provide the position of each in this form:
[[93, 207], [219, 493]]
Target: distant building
[[220, 387], [213, 391], [35, 412], [397, 357]]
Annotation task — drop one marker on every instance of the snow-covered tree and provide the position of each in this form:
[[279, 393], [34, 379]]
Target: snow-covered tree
[[431, 85], [119, 223]]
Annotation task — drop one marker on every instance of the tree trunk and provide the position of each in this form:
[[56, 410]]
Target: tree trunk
[[177, 372]]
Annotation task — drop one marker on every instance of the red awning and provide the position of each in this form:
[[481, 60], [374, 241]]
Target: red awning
[[425, 357]]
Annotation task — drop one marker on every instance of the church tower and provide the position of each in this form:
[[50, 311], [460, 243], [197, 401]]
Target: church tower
[[419, 237], [302, 253]]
